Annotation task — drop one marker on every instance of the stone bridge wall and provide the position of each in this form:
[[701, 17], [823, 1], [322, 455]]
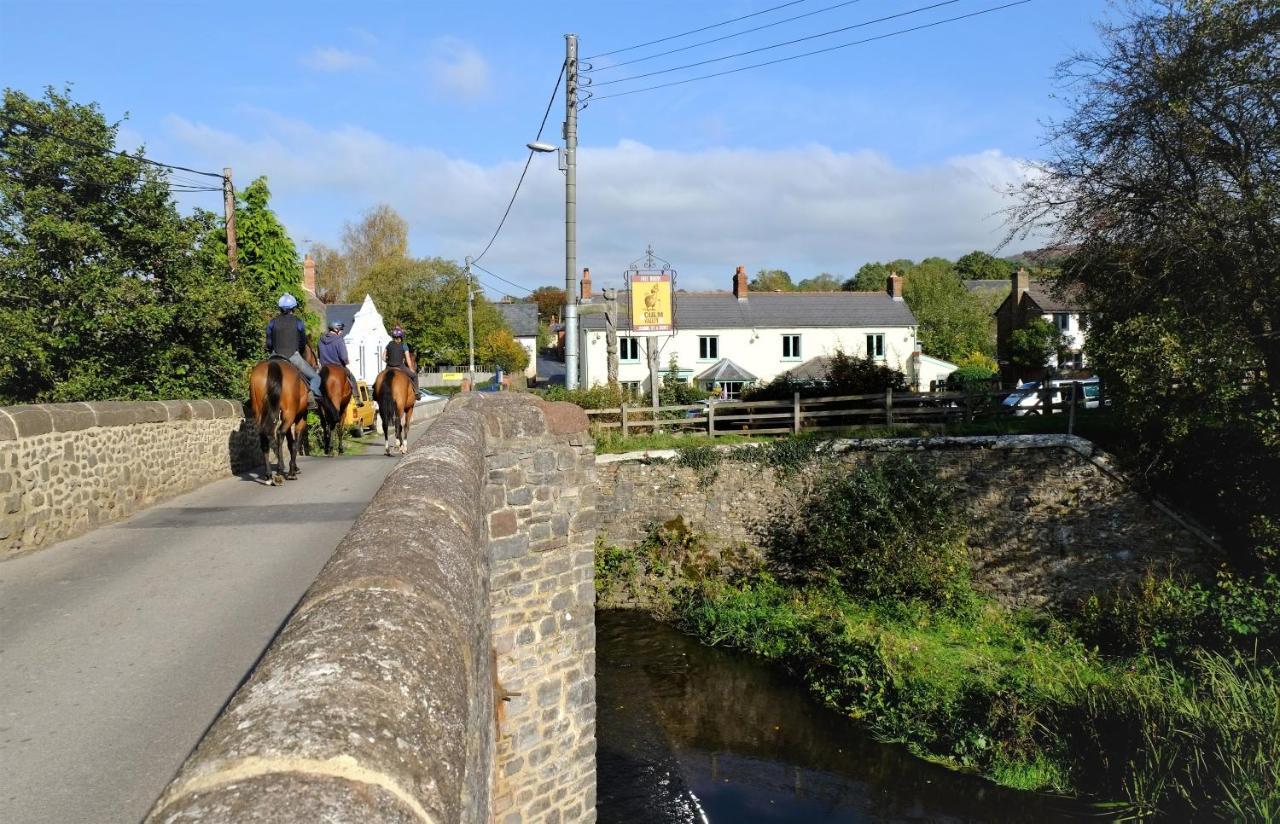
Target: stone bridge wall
[[66, 468], [1051, 518], [441, 667]]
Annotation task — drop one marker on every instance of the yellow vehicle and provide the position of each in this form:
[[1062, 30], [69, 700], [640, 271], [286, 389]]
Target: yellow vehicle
[[360, 418]]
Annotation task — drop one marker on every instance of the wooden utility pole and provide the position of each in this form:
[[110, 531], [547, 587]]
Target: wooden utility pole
[[229, 212], [611, 334], [652, 347]]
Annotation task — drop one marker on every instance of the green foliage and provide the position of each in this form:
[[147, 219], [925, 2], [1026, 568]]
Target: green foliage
[[550, 300], [268, 258], [676, 392], [825, 282], [953, 323], [610, 441], [970, 379], [108, 291], [599, 396], [1031, 346], [888, 530], [978, 360], [874, 277], [846, 375], [704, 458], [981, 266], [771, 280]]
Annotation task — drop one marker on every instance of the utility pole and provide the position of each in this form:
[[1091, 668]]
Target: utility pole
[[229, 212], [571, 212], [471, 332], [611, 335]]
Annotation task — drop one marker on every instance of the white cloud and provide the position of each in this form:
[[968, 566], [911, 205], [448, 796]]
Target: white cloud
[[457, 69], [806, 209], [332, 59]]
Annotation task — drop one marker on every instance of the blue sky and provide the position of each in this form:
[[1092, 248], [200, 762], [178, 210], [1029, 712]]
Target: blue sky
[[889, 149]]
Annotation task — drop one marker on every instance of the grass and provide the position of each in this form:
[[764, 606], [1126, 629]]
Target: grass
[[609, 442]]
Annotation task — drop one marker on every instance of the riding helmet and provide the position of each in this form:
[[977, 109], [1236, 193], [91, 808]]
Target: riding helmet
[[287, 301]]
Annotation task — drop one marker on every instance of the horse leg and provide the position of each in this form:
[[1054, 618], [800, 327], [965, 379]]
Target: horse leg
[[342, 431], [264, 441], [297, 433], [386, 432], [404, 441], [326, 429], [277, 477]]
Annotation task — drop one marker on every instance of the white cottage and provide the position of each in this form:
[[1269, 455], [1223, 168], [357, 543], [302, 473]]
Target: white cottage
[[738, 338], [366, 336]]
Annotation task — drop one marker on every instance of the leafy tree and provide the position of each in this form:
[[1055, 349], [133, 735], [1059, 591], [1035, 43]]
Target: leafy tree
[[382, 234], [268, 258], [772, 280], [872, 277], [952, 322], [550, 300], [825, 282], [981, 266], [1031, 346], [108, 291], [333, 276], [499, 347]]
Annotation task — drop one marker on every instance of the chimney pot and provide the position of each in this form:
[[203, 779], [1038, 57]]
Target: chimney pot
[[586, 283]]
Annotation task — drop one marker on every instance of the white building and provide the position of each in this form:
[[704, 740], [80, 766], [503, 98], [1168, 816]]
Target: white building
[[1029, 299], [366, 336], [522, 320], [740, 337]]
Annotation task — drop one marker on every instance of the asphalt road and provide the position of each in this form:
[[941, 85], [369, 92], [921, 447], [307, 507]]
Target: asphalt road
[[118, 648]]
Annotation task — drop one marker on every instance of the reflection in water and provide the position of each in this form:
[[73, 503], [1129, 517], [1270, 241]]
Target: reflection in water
[[688, 733]]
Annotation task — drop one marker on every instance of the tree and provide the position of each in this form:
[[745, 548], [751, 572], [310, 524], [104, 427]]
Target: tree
[[952, 322], [382, 234], [1031, 346], [550, 300], [772, 280], [872, 277], [108, 292], [825, 282], [268, 258], [333, 276], [981, 266]]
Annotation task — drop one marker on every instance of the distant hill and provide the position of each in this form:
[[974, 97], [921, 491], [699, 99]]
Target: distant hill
[[1049, 257]]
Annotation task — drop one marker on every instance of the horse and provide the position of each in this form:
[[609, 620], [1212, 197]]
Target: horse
[[335, 397], [396, 396], [279, 396]]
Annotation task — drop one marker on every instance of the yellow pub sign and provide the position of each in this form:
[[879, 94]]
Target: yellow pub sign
[[651, 302]]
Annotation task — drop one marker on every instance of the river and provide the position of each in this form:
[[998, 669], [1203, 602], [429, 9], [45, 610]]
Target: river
[[689, 733]]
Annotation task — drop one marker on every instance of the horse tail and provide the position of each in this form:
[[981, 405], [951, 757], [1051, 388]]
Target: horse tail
[[387, 401], [326, 402], [269, 412]]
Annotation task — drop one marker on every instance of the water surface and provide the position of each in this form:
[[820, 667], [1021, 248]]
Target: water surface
[[688, 733]]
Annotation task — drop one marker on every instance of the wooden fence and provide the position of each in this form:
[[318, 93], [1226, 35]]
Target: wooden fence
[[839, 412]]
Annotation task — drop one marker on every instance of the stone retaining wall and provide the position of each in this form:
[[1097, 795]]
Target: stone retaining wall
[[1051, 519], [384, 698], [66, 468]]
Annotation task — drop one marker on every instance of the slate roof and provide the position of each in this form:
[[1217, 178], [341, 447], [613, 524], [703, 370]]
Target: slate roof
[[345, 312], [1051, 301], [725, 370], [814, 369], [777, 310], [521, 317]]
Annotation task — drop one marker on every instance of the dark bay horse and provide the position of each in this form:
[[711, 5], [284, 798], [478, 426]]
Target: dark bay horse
[[278, 394], [394, 392], [335, 397]]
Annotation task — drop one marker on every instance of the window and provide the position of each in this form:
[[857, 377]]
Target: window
[[1062, 320], [732, 389], [708, 348], [629, 349], [632, 388], [875, 347], [791, 347]]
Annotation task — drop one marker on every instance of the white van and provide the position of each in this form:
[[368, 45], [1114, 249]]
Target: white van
[[1026, 399]]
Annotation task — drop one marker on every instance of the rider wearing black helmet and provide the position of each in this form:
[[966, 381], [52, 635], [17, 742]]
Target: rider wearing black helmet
[[397, 354]]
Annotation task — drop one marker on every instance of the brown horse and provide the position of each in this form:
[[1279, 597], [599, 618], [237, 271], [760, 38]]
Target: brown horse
[[335, 397], [396, 396], [278, 394]]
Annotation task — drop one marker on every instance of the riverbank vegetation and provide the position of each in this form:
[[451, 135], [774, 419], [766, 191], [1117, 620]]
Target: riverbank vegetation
[[1158, 699]]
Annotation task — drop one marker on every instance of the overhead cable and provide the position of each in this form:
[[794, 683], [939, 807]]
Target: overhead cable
[[555, 91], [861, 25], [816, 51], [694, 31], [87, 145], [728, 36], [501, 278]]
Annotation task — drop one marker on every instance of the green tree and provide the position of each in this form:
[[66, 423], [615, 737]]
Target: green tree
[[108, 291], [772, 280], [952, 322], [268, 258], [1033, 345], [872, 277], [550, 300], [825, 282], [979, 265]]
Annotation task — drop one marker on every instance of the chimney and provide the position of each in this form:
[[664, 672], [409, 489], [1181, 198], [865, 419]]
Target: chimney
[[740, 283], [1021, 282], [309, 274], [586, 284], [894, 286]]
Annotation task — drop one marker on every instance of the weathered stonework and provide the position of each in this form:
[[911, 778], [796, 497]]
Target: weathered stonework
[[66, 468], [442, 666], [1051, 519]]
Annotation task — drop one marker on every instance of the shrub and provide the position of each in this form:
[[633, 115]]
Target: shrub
[[599, 396], [970, 379], [887, 530], [846, 375]]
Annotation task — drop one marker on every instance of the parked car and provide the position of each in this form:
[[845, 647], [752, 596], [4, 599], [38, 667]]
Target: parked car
[[425, 395], [360, 418], [1027, 399]]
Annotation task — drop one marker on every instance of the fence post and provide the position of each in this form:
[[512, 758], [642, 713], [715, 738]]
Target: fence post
[[1071, 409], [968, 405], [1046, 396], [888, 407], [624, 420], [795, 413], [711, 419]]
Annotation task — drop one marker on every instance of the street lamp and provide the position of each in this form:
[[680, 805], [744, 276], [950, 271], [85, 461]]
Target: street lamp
[[541, 147]]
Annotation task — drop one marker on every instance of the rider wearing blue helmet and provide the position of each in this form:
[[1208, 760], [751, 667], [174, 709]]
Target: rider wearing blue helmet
[[286, 338]]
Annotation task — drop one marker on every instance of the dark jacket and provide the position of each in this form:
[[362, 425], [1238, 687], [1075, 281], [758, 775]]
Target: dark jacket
[[333, 349], [286, 335], [396, 354]]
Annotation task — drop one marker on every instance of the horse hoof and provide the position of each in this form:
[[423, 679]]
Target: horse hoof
[[277, 480], [292, 476]]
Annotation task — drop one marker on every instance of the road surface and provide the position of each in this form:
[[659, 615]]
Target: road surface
[[118, 648]]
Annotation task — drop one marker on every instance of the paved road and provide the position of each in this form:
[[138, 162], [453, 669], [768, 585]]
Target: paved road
[[118, 648], [550, 370]]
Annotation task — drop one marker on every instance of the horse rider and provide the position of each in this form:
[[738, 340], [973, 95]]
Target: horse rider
[[399, 356], [333, 350], [287, 336]]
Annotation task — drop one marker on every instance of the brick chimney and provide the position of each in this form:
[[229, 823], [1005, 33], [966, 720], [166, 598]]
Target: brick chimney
[[894, 286], [740, 283], [309, 274], [586, 284], [1021, 282]]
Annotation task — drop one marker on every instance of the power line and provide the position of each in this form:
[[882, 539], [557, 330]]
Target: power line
[[554, 91], [817, 51], [501, 278], [727, 36], [861, 25], [87, 145], [694, 31]]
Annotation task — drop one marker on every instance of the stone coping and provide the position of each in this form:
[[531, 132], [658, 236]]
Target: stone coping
[[30, 420]]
